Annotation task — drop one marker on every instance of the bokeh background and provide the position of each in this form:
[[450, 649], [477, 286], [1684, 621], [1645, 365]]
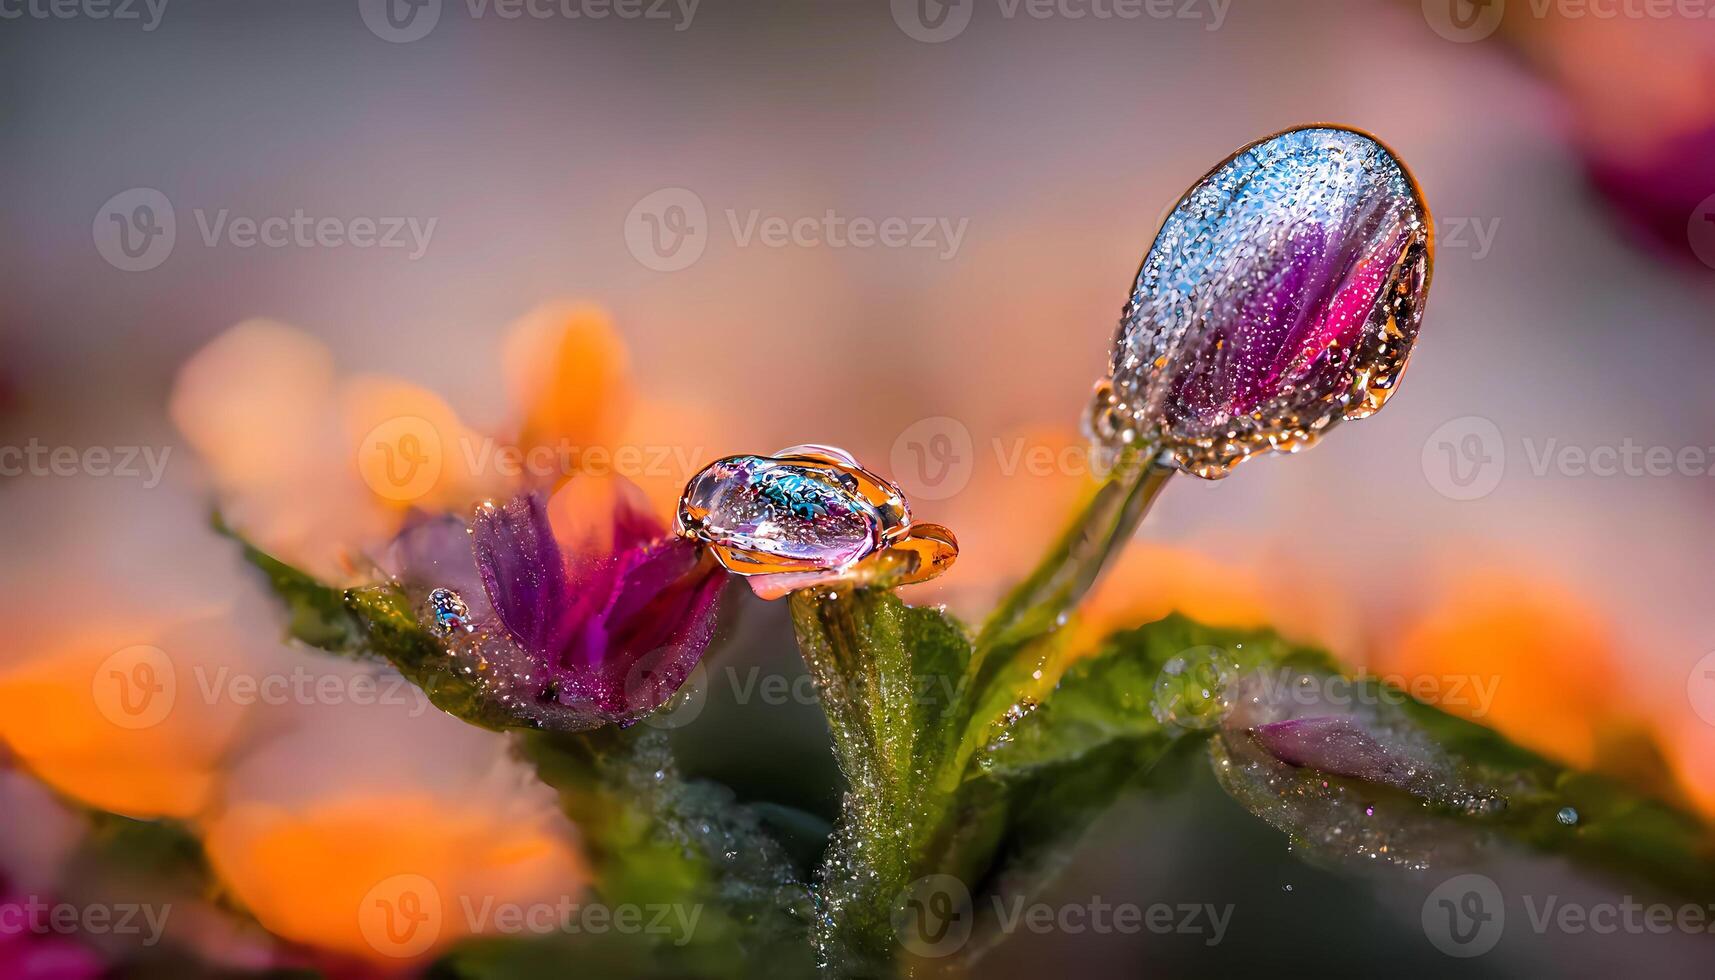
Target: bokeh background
[[1531, 514]]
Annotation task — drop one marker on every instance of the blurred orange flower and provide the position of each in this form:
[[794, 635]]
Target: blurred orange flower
[[1547, 659], [99, 694], [398, 846], [321, 470]]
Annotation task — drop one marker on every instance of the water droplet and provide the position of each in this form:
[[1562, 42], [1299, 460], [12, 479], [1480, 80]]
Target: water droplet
[[449, 612], [1567, 816], [789, 514], [1194, 689]]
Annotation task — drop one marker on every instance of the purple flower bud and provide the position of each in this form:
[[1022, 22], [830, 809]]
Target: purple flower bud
[[1339, 746], [1281, 295]]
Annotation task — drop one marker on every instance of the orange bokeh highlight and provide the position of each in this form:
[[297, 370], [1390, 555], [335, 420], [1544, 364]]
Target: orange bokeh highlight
[[389, 877], [1550, 659]]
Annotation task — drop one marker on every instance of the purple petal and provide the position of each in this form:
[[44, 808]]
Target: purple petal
[[524, 573], [1341, 747], [435, 553], [657, 626]]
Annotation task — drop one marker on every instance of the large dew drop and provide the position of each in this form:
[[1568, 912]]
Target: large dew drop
[[809, 508]]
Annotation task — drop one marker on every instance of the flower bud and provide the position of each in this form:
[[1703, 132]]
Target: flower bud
[[1282, 295]]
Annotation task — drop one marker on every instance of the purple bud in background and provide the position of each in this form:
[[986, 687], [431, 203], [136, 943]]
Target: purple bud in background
[[1282, 295]]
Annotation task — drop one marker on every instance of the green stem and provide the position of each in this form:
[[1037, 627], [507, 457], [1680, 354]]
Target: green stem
[[854, 644], [1035, 608]]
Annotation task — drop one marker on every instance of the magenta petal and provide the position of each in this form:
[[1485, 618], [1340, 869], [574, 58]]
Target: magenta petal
[[1341, 747], [659, 625], [524, 573], [634, 523], [597, 639]]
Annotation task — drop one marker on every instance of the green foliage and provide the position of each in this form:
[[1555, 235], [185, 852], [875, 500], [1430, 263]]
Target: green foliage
[[660, 841], [655, 839], [316, 614]]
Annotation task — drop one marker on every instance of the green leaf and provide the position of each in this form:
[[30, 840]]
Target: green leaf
[[1044, 770], [376, 622], [657, 839], [1493, 789], [317, 614]]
